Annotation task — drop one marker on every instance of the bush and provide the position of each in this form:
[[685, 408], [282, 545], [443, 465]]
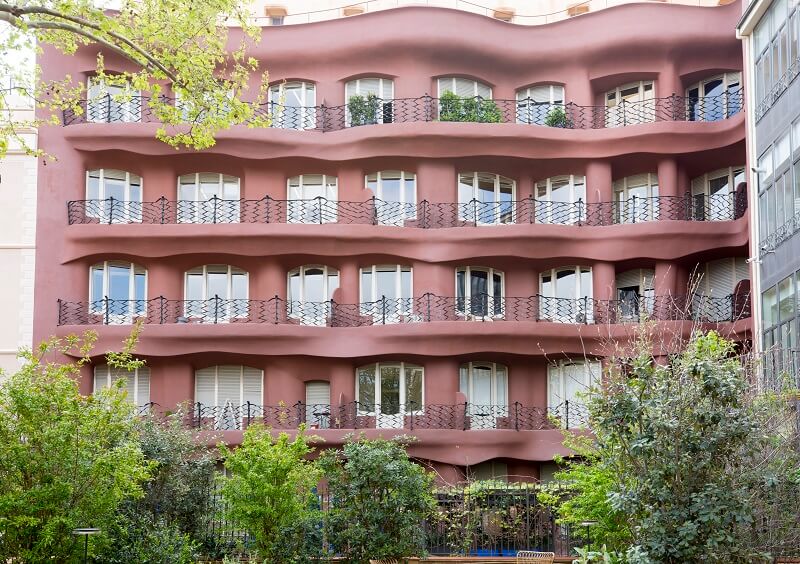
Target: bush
[[379, 501], [557, 117], [363, 110], [453, 107]]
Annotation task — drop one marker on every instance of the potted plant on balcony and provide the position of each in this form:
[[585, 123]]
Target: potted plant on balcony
[[557, 117], [453, 107], [363, 110]]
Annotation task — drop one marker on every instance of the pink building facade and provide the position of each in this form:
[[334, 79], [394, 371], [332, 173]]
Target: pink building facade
[[390, 259]]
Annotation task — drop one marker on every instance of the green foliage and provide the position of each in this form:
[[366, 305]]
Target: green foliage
[[363, 110], [379, 500], [143, 540], [557, 117], [66, 460], [270, 490], [183, 43], [453, 107]]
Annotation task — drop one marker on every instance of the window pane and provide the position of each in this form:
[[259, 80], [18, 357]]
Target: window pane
[[239, 286], [786, 297], [366, 285], [366, 387], [414, 387], [217, 285], [97, 284], [770, 313], [194, 287], [118, 282], [566, 284], [93, 185], [386, 281], [314, 286]]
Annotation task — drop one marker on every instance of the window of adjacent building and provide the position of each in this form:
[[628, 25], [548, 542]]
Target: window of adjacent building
[[779, 187], [216, 293], [479, 292], [389, 391], [318, 404], [635, 293], [715, 98], [293, 105], [566, 295], [137, 382], [369, 101], [395, 192], [541, 104], [310, 290], [561, 199], [775, 46], [465, 87], [630, 104], [567, 382], [111, 103], [779, 314], [118, 291], [485, 385], [113, 196], [386, 292], [714, 194], [208, 197], [312, 199], [485, 198], [223, 393], [636, 198]]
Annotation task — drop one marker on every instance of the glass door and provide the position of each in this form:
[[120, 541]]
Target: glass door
[[390, 413]]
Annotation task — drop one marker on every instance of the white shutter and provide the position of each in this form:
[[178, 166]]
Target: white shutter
[[540, 94], [638, 180], [699, 186], [252, 385], [229, 385], [720, 278], [100, 377], [143, 386], [350, 90], [484, 91], [741, 270], [205, 385], [465, 87], [318, 393], [648, 277], [445, 85], [629, 278], [130, 382], [370, 86], [554, 386], [388, 89]]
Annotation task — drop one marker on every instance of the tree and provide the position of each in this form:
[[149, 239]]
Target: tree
[[690, 453], [66, 460], [270, 491], [379, 500], [182, 44]]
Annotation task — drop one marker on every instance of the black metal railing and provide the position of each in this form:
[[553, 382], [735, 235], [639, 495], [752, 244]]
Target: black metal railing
[[423, 215], [780, 235], [774, 370], [114, 109], [387, 311], [777, 89], [409, 416]]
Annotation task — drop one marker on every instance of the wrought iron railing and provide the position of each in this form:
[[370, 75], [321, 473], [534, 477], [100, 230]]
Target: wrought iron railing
[[423, 215], [111, 109], [778, 89], [423, 309], [409, 416], [780, 235]]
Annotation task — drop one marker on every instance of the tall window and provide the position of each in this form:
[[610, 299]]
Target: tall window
[[630, 104], [541, 105], [222, 394], [480, 292], [113, 196], [485, 384], [208, 197], [386, 292], [110, 103], [118, 291], [561, 199], [312, 199], [309, 293], [779, 314], [293, 105], [718, 281], [396, 196], [318, 404], [389, 391], [566, 381], [636, 198], [635, 293], [566, 295], [369, 100], [715, 98], [465, 87], [775, 49], [137, 382], [216, 293], [713, 194], [485, 198]]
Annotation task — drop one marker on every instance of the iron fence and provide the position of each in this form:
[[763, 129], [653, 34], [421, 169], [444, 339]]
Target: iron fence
[[427, 308], [423, 215], [120, 109], [780, 235]]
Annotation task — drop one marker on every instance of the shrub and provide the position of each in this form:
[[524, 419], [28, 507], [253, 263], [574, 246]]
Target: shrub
[[363, 110], [557, 117], [453, 107]]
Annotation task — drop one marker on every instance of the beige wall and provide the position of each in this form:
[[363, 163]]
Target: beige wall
[[17, 240]]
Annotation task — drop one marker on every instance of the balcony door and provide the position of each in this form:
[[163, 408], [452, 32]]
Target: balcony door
[[389, 392], [318, 404], [485, 385], [630, 104]]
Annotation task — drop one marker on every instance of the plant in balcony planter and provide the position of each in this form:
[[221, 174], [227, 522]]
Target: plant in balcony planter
[[557, 117], [363, 109], [453, 107]]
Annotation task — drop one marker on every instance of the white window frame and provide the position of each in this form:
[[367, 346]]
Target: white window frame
[[729, 79], [701, 186], [296, 304], [230, 207], [546, 214], [642, 114], [475, 213], [645, 208], [493, 367], [219, 419], [104, 371], [230, 310], [592, 371], [582, 298], [299, 210], [385, 94], [373, 306], [475, 86], [306, 117], [526, 103], [130, 110], [99, 309], [130, 213], [466, 311], [385, 209], [403, 399], [646, 293]]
